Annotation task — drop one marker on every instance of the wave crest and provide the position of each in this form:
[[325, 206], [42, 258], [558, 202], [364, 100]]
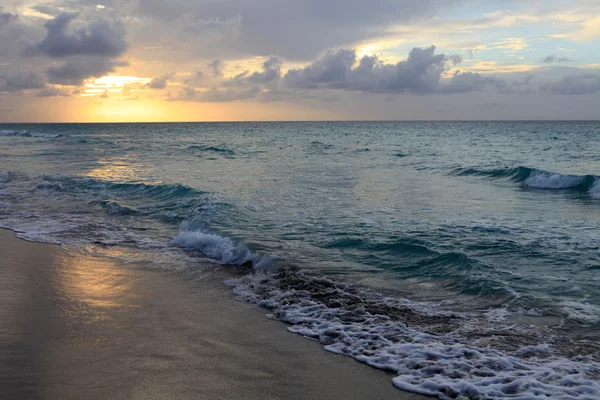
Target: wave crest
[[538, 179], [212, 149], [218, 248]]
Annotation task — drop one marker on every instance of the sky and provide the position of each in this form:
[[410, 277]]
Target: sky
[[248, 60]]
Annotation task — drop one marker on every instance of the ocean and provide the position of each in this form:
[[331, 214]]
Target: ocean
[[462, 256]]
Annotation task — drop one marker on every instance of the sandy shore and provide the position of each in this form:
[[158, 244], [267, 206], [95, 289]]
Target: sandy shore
[[75, 327]]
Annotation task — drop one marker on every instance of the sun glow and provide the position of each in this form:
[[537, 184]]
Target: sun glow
[[113, 84]]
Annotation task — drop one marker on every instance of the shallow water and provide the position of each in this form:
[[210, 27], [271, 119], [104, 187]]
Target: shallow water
[[482, 234]]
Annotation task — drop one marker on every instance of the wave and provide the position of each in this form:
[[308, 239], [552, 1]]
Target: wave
[[218, 248], [414, 259], [430, 350], [213, 149], [114, 208], [4, 177], [29, 134], [433, 351], [168, 203], [538, 179], [155, 191]]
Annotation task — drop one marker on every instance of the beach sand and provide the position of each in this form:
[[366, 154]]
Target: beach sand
[[78, 327]]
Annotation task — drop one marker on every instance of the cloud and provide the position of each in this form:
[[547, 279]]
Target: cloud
[[46, 9], [579, 84], [52, 92], [23, 81], [215, 95], [422, 72], [513, 44], [270, 74], [524, 81], [332, 70], [589, 29], [295, 30], [160, 82], [99, 38], [191, 26], [469, 82], [553, 58], [7, 18], [74, 71], [216, 67], [194, 77], [271, 71]]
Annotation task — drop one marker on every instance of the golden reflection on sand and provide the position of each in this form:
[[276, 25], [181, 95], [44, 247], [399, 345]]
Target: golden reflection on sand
[[94, 282]]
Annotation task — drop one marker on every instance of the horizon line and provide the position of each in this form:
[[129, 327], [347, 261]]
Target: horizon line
[[296, 121]]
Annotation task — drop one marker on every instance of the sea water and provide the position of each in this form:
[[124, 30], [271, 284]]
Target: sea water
[[463, 256]]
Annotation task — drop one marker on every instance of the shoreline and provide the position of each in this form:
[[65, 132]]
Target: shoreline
[[84, 327]]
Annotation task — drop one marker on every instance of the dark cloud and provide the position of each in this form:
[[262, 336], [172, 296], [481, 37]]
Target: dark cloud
[[73, 72], [52, 92], [581, 84], [472, 52], [271, 71], [331, 70], [216, 66], [555, 59], [421, 72], [15, 31], [270, 74], [19, 82], [296, 30], [160, 82], [469, 82], [7, 18], [99, 38]]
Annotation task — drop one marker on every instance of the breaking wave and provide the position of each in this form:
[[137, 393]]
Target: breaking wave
[[538, 179]]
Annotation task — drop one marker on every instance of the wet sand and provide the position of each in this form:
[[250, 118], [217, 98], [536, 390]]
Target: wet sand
[[77, 327]]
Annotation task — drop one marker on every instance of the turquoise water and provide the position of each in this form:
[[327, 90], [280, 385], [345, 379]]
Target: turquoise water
[[486, 233]]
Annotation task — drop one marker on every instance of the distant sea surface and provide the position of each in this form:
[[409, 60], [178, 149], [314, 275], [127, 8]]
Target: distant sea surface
[[464, 256]]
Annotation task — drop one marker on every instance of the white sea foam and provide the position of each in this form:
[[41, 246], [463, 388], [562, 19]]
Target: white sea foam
[[441, 365], [585, 313], [548, 180], [497, 314]]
